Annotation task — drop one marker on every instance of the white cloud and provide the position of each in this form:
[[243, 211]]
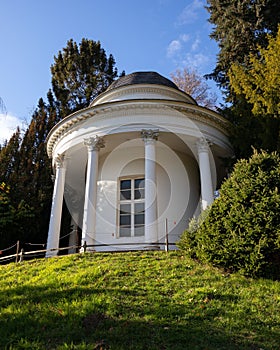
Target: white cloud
[[196, 61], [173, 48], [8, 125], [195, 44], [187, 51], [185, 37], [190, 12]]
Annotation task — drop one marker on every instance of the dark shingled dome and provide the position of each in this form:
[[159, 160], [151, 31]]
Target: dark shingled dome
[[142, 78]]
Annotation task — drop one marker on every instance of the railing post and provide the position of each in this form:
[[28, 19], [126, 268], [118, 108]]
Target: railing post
[[17, 252], [85, 246], [21, 255], [166, 235]]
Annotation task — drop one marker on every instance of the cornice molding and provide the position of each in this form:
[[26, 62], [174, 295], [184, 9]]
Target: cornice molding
[[157, 107], [143, 89]]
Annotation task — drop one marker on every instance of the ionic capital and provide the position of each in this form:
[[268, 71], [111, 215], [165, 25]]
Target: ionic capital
[[149, 135], [59, 161], [94, 143], [203, 145]]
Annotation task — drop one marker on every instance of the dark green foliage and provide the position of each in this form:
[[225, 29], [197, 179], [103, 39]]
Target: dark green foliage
[[26, 170], [261, 132], [80, 73], [188, 241], [9, 157], [242, 229], [14, 220], [239, 26], [33, 182]]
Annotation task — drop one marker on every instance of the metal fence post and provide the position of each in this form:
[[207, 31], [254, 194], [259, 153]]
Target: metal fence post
[[85, 246], [166, 235]]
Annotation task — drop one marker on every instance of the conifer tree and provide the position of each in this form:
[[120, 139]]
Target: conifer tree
[[259, 81], [9, 157], [80, 73], [240, 28], [34, 183]]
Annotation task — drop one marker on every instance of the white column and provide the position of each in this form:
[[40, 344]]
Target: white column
[[57, 201], [151, 227], [207, 192], [89, 218]]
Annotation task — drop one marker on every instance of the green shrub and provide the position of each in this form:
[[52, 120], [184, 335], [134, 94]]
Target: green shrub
[[188, 241], [242, 229]]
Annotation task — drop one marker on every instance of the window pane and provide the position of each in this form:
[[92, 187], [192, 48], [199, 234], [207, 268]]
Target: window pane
[[125, 231], [139, 219], [139, 183], [125, 208], [125, 184], [132, 207], [139, 208], [139, 194], [125, 220], [125, 195], [139, 231]]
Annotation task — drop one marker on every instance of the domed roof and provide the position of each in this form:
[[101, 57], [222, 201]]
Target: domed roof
[[142, 78]]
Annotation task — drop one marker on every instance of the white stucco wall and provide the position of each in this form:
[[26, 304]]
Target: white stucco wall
[[177, 200]]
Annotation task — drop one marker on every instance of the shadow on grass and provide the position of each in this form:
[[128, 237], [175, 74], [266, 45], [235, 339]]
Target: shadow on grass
[[38, 318]]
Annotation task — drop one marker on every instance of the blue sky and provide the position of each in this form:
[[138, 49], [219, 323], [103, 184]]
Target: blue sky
[[158, 35]]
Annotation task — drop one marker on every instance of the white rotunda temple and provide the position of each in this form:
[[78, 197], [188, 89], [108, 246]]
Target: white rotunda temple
[[141, 160]]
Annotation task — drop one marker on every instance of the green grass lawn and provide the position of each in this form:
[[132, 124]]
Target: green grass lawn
[[139, 300]]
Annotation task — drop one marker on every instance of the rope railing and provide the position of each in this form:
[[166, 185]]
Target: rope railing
[[20, 256], [9, 248]]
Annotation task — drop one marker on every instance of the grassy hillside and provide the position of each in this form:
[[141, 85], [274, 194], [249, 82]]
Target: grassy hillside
[[140, 300]]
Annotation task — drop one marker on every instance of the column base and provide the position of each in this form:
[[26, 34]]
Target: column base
[[151, 247], [51, 253], [87, 250]]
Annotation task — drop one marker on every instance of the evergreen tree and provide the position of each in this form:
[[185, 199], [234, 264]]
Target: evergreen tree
[[34, 183], [80, 73], [241, 229], [9, 157], [240, 28], [259, 81], [249, 131], [14, 219]]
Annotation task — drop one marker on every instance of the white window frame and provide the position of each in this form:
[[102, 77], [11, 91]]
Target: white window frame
[[132, 203]]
